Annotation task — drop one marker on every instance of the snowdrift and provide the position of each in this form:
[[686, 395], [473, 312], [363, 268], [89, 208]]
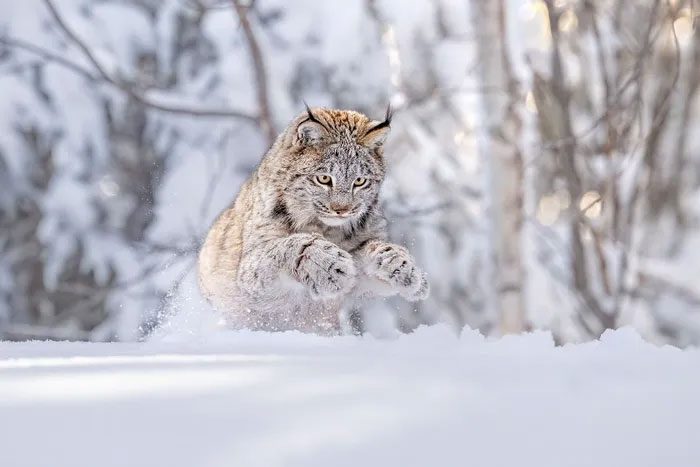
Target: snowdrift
[[429, 398]]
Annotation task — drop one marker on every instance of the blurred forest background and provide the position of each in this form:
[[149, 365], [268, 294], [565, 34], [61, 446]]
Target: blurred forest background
[[544, 162]]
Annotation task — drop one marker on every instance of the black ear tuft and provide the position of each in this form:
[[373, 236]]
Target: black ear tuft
[[376, 135], [311, 131], [387, 120], [312, 118]]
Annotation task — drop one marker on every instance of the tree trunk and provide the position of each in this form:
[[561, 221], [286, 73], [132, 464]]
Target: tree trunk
[[501, 156]]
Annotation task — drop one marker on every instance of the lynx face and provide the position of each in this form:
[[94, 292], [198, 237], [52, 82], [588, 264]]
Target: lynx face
[[344, 184], [338, 169]]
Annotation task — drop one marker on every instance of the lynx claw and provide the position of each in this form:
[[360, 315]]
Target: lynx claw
[[421, 293], [395, 265], [326, 270]]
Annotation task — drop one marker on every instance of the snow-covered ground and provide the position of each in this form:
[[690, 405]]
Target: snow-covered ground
[[426, 399]]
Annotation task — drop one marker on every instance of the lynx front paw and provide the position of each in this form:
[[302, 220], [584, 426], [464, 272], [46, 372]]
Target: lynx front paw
[[325, 269], [395, 265]]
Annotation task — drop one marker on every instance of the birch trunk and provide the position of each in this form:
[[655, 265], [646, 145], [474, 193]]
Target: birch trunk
[[501, 156]]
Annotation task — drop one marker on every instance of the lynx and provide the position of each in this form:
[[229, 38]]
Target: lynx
[[306, 238]]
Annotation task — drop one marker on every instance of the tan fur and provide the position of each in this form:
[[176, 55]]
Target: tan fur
[[282, 256]]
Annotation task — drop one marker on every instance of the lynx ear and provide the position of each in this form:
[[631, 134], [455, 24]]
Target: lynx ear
[[310, 131], [377, 134]]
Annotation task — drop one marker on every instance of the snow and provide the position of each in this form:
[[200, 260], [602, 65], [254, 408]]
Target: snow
[[428, 398]]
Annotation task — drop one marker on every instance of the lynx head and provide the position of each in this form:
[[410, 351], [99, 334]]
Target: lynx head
[[334, 166]]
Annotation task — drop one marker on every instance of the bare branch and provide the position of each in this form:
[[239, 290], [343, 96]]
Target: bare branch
[[265, 118], [615, 102], [126, 87], [48, 56], [662, 284]]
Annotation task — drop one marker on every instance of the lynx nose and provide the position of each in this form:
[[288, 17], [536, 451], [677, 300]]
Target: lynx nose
[[340, 209]]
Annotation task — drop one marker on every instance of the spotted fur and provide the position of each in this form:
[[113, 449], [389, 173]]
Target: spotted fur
[[291, 252]]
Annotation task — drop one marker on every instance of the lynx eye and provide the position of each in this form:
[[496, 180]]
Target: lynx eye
[[324, 179], [359, 181]]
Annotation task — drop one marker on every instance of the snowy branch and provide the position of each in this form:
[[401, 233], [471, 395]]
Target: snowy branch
[[129, 88]]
